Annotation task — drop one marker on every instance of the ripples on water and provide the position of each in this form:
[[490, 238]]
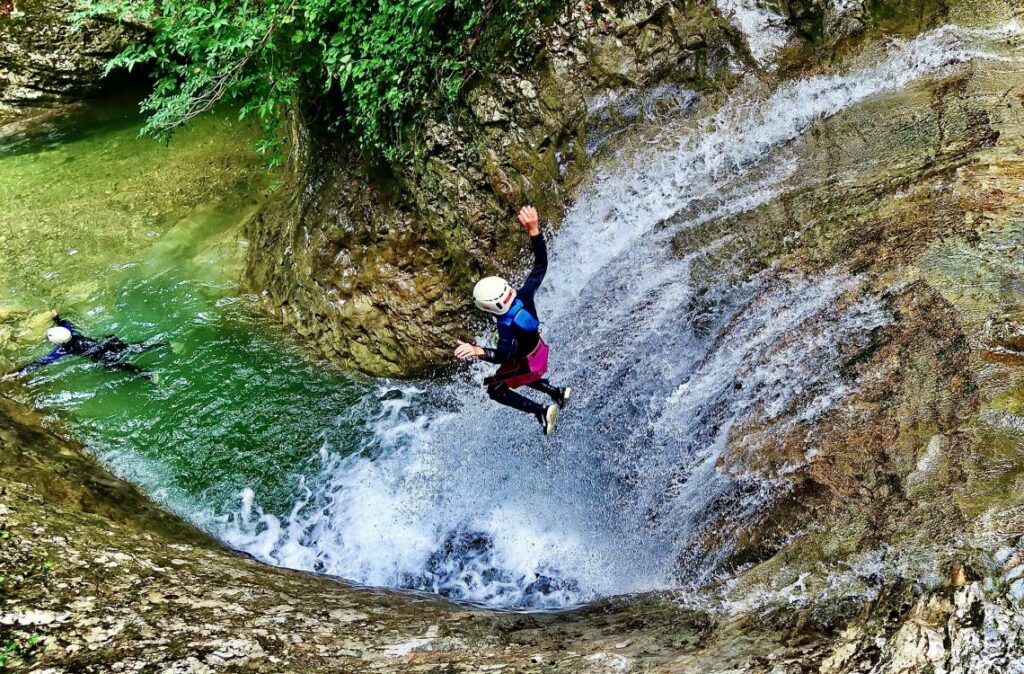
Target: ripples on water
[[431, 486]]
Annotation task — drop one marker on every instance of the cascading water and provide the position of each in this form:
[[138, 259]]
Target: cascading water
[[454, 495], [766, 31]]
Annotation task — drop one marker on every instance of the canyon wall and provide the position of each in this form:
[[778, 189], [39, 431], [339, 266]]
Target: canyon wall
[[373, 267], [47, 60]]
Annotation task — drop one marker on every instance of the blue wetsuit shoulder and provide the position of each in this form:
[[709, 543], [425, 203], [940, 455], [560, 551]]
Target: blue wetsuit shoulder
[[57, 353], [51, 357]]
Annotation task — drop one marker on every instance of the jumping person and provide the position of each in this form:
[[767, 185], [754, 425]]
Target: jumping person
[[68, 341], [521, 353]]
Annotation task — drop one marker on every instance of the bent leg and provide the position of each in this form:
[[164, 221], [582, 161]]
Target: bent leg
[[502, 394], [545, 387]]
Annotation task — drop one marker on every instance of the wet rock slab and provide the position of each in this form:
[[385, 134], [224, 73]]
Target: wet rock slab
[[46, 59], [97, 579]]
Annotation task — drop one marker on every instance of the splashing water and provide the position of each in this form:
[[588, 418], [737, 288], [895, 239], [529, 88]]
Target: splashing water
[[452, 495], [433, 487], [766, 32], [703, 168]]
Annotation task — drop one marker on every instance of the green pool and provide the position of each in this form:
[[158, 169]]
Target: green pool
[[126, 236]]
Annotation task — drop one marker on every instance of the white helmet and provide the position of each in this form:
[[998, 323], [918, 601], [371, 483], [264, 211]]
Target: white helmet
[[494, 295], [58, 335]]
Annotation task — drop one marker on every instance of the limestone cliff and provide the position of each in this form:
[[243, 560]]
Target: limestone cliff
[[372, 266], [915, 194]]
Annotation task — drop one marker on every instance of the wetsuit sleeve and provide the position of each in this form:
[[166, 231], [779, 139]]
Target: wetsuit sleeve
[[540, 268], [51, 357], [505, 349]]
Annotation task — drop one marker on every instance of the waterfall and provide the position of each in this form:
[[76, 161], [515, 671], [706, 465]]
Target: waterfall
[[454, 495], [766, 32]]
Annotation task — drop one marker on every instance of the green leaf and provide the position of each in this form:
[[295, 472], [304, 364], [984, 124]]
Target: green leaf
[[380, 62]]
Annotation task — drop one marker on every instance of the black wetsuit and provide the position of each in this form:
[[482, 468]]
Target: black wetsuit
[[515, 344], [109, 351]]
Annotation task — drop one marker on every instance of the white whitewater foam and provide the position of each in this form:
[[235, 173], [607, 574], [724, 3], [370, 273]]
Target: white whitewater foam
[[765, 31], [457, 496], [642, 191]]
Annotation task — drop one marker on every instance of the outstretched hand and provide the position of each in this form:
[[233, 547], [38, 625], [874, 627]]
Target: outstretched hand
[[466, 351], [529, 220], [11, 376]]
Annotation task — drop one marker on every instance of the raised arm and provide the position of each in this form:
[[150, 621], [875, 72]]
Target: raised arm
[[528, 218], [507, 345]]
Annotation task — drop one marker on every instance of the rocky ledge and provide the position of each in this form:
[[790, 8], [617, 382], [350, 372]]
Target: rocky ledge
[[373, 271], [46, 59], [94, 578]]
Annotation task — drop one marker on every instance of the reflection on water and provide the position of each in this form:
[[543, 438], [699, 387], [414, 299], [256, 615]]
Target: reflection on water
[[83, 198], [127, 236]]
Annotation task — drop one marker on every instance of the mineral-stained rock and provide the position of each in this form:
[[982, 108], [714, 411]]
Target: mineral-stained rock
[[47, 60], [96, 579], [1005, 339], [374, 272]]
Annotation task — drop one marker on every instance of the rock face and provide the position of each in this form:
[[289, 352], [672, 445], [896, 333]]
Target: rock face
[[375, 272], [827, 27], [895, 544], [45, 60], [96, 579], [916, 195]]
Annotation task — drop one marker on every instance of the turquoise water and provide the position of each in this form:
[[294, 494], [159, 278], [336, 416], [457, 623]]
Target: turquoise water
[[236, 404]]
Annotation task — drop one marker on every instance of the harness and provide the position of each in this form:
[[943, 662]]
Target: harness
[[518, 316], [531, 368]]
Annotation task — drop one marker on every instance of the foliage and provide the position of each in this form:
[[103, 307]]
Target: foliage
[[362, 65], [18, 647]]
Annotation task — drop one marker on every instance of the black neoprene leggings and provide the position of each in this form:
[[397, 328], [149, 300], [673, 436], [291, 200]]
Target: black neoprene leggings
[[501, 393]]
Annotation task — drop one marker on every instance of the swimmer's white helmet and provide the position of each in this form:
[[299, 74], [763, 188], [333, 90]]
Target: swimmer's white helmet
[[58, 335], [494, 295]]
